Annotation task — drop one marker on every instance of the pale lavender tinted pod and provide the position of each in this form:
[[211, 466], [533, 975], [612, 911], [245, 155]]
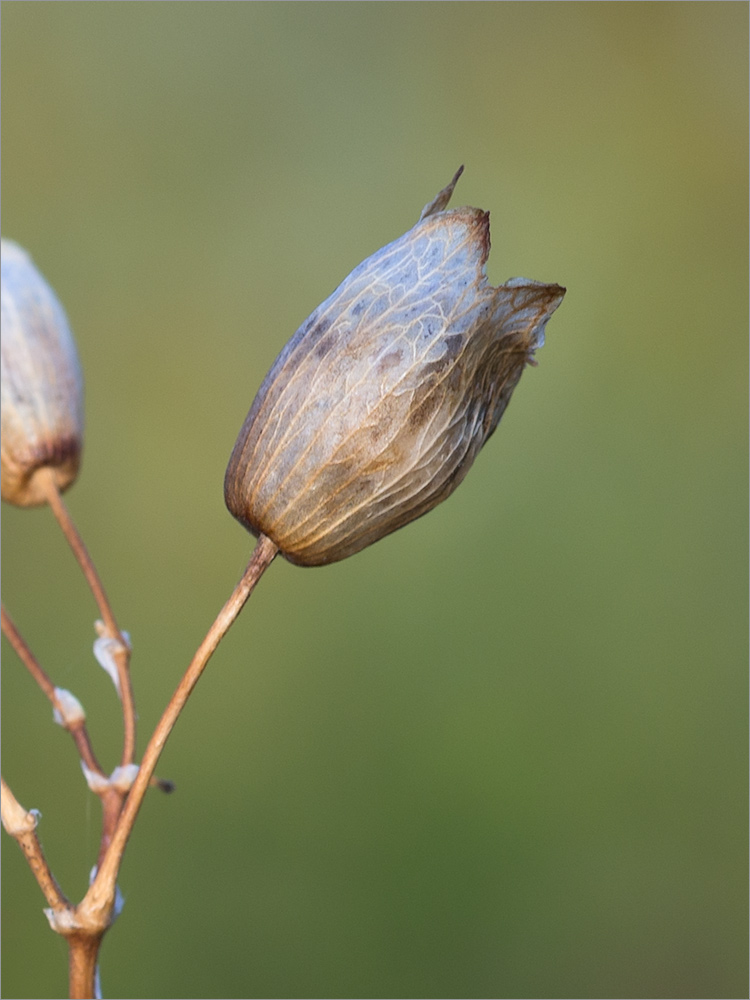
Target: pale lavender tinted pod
[[42, 385], [375, 410]]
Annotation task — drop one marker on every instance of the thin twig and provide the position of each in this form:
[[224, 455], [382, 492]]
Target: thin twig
[[83, 941], [28, 659], [101, 894], [122, 656], [21, 825], [77, 727]]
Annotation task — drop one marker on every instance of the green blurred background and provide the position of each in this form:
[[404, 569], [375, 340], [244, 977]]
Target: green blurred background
[[502, 753]]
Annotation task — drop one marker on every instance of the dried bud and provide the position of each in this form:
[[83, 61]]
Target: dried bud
[[375, 410], [42, 386]]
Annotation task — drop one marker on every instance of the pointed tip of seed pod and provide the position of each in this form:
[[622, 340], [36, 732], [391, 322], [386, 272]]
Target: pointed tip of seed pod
[[42, 385], [442, 198]]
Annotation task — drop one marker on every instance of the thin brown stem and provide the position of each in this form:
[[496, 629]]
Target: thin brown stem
[[101, 894], [83, 951], [83, 744], [26, 657], [61, 512], [77, 727], [122, 656], [21, 825]]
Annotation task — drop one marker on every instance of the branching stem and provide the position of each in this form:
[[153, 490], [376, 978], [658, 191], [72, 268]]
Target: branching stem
[[101, 895], [84, 925]]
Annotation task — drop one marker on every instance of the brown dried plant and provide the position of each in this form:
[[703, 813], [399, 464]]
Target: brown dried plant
[[371, 415]]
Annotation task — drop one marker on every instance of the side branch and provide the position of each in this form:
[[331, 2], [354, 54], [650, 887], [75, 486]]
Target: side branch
[[21, 825], [122, 657], [76, 726], [28, 659]]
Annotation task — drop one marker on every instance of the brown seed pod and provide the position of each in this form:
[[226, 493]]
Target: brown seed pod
[[376, 408], [42, 385]]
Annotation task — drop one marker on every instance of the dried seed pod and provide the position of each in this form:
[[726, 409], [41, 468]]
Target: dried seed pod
[[42, 385], [375, 410]]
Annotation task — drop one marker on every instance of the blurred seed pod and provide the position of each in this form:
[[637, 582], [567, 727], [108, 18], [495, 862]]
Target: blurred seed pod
[[42, 385], [375, 410]]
